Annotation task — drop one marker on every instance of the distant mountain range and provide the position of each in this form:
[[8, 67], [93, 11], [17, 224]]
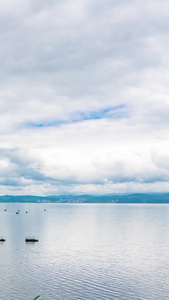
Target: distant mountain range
[[122, 198]]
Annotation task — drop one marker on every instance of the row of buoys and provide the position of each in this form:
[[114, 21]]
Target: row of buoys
[[18, 211]]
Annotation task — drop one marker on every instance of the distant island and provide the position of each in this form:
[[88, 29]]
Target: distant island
[[114, 198]]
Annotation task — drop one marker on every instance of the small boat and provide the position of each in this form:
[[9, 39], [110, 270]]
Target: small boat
[[26, 212], [44, 209], [2, 239], [17, 213], [31, 240], [5, 209]]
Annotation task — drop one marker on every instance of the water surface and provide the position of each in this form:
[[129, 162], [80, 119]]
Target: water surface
[[85, 252]]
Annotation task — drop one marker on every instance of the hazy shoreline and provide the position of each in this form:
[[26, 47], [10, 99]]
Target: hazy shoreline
[[120, 198]]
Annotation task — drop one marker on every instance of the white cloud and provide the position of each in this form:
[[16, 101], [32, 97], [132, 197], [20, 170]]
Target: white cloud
[[84, 96]]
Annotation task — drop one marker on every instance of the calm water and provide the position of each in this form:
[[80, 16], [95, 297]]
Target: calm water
[[85, 252]]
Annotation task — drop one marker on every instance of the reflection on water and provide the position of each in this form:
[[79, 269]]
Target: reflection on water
[[85, 251]]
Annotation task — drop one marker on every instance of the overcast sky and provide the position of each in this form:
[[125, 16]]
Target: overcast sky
[[84, 96]]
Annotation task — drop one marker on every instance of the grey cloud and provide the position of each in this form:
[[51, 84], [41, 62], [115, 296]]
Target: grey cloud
[[65, 62]]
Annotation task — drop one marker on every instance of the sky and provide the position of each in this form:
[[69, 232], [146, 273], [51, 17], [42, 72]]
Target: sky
[[84, 96]]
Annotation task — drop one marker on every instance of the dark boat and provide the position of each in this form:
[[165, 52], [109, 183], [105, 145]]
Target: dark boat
[[2, 239], [17, 213], [5, 209], [31, 240]]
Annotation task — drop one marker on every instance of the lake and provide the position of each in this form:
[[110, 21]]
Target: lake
[[85, 251]]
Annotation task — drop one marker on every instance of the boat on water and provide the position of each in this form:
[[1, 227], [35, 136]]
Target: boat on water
[[31, 240], [2, 239]]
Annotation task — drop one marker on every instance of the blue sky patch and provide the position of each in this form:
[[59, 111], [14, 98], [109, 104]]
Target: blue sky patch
[[114, 112]]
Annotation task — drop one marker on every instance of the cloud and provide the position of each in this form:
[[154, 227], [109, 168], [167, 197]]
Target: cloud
[[83, 96]]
